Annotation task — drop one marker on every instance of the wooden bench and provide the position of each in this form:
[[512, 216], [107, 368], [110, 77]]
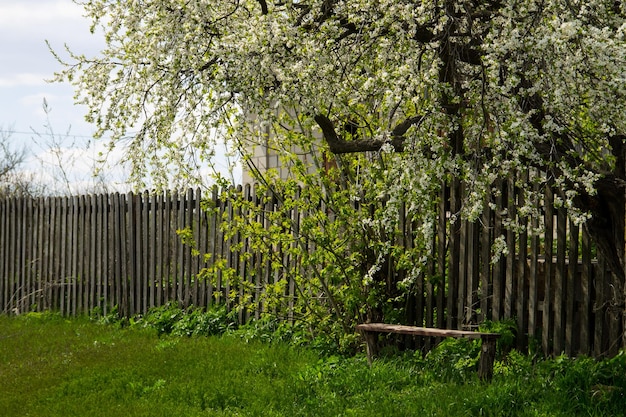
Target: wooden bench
[[487, 353]]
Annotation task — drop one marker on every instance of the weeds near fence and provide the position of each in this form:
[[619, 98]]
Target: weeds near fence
[[173, 319]]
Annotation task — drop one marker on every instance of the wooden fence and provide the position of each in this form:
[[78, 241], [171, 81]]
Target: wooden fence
[[77, 254], [85, 253]]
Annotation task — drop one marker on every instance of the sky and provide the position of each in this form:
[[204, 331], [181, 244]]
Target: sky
[[25, 65]]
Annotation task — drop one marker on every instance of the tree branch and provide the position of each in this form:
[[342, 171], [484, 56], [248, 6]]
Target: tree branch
[[341, 146]]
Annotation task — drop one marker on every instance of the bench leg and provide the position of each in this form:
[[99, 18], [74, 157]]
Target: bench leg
[[371, 339], [487, 357]]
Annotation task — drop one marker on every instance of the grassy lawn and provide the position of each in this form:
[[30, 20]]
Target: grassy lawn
[[50, 366]]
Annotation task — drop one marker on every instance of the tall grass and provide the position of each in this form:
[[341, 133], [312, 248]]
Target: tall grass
[[50, 366]]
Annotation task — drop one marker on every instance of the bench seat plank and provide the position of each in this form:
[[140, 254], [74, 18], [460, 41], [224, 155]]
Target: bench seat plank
[[421, 331]]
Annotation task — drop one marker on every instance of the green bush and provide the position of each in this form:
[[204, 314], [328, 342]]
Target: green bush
[[454, 360], [507, 329], [174, 320]]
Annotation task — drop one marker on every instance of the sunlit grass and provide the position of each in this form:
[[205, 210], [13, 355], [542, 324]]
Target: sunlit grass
[[50, 366]]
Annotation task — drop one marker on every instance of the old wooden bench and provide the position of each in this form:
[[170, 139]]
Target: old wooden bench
[[487, 353]]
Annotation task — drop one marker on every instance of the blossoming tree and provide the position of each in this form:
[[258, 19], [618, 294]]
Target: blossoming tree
[[439, 90]]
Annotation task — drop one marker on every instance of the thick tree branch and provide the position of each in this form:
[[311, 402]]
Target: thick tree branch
[[208, 64], [338, 145]]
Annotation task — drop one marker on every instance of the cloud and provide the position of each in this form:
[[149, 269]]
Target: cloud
[[23, 79], [66, 167], [24, 16], [31, 23], [24, 28]]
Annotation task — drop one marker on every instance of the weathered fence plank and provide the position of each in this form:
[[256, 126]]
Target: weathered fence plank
[[452, 294], [559, 280], [572, 284], [547, 277], [497, 295], [442, 234], [585, 285], [509, 275]]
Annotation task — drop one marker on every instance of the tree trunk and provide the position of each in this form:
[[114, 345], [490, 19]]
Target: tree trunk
[[607, 226]]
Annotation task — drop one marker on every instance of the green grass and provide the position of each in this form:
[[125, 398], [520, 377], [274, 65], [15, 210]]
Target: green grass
[[50, 366]]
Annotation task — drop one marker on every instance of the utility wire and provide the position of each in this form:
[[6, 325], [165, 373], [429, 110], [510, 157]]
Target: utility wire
[[65, 135]]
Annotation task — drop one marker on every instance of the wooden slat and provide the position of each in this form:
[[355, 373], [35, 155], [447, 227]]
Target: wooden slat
[[258, 262], [63, 250], [203, 226], [174, 248], [248, 274], [12, 272], [521, 286], [169, 267], [159, 255], [145, 260], [103, 253], [45, 251], [599, 309], [420, 331], [441, 258], [463, 293], [295, 270], [509, 277], [485, 265], [4, 252], [454, 256], [119, 266], [585, 285], [195, 261], [180, 223], [473, 273], [421, 284], [266, 260], [188, 223], [533, 282], [498, 270], [429, 287], [614, 317], [131, 230], [3, 255], [74, 254], [29, 234], [547, 298], [182, 288], [231, 253], [14, 256], [56, 278], [20, 279], [570, 284], [105, 258], [559, 278], [78, 262], [212, 239], [94, 239], [26, 300]]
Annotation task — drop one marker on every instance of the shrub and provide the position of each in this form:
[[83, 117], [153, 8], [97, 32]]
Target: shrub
[[172, 319]]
